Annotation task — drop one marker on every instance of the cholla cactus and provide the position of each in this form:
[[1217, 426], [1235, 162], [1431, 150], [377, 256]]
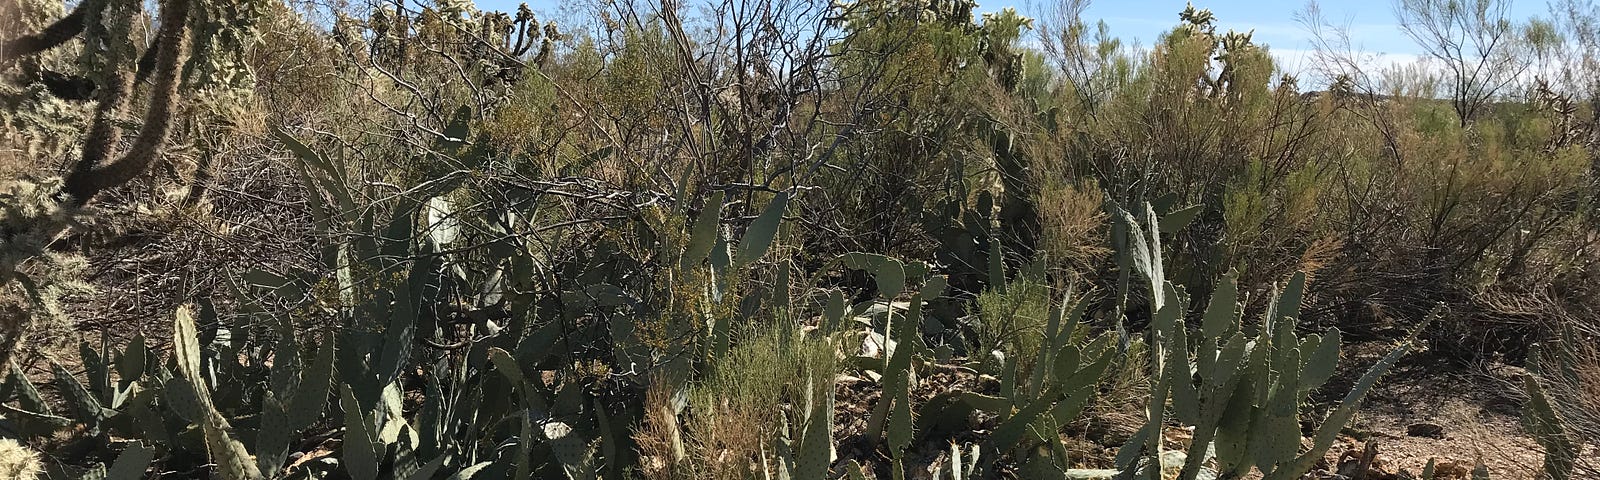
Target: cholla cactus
[[35, 213], [17, 461], [456, 11], [108, 38], [31, 217], [41, 124], [29, 15], [1199, 20], [32, 278], [25, 16], [222, 32]]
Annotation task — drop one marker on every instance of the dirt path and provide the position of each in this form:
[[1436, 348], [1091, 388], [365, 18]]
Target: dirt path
[[1453, 414]]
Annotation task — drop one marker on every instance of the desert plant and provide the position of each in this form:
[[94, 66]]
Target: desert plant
[[1560, 411], [1246, 407], [639, 248], [18, 461], [44, 209]]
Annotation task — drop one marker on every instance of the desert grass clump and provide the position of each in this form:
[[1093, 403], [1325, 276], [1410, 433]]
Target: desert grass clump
[[660, 435], [1073, 224], [1116, 414], [738, 407], [1012, 319]]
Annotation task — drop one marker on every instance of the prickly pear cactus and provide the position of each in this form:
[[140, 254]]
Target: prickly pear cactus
[[815, 451], [1547, 426], [1245, 409], [1247, 406], [232, 461]]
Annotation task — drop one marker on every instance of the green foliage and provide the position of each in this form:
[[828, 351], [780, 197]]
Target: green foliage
[[761, 372], [641, 251], [1014, 319], [1548, 428]]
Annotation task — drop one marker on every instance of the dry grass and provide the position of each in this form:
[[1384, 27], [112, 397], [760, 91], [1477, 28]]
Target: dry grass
[[659, 437], [734, 412], [1321, 253], [1073, 224], [1573, 378], [1587, 389], [729, 440]]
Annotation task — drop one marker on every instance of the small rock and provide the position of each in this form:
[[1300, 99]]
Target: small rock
[[1428, 430], [873, 345]]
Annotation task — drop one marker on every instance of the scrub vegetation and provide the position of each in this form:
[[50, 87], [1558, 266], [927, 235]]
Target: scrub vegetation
[[787, 239]]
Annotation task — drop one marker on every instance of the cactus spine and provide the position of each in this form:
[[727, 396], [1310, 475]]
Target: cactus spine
[[17, 461]]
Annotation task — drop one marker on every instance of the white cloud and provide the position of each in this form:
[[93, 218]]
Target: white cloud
[[1304, 63]]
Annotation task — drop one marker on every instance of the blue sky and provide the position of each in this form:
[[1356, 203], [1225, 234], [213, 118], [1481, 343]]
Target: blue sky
[[1371, 23]]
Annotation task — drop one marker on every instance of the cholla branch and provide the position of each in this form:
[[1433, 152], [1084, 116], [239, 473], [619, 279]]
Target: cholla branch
[[36, 214], [52, 36], [91, 177]]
